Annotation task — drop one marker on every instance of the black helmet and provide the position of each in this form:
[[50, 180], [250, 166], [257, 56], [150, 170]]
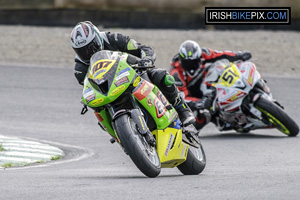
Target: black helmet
[[190, 57], [86, 40]]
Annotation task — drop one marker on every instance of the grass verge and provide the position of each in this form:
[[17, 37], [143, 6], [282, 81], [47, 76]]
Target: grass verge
[[1, 148], [56, 157]]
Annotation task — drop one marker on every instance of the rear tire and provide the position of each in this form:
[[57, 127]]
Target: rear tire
[[277, 117], [142, 154], [195, 161]]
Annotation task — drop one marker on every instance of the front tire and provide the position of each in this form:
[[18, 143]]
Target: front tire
[[277, 117], [195, 161], [142, 154]]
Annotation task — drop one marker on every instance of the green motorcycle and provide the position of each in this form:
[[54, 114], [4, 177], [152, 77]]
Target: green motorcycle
[[138, 116]]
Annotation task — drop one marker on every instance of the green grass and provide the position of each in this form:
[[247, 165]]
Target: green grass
[[7, 165], [56, 157], [1, 148]]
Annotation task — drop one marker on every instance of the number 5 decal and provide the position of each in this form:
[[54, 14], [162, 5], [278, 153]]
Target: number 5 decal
[[229, 76]]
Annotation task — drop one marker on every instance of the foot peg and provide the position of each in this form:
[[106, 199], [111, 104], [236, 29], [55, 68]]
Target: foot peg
[[190, 136]]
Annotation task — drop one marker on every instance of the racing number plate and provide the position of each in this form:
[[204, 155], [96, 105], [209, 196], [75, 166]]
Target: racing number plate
[[229, 76]]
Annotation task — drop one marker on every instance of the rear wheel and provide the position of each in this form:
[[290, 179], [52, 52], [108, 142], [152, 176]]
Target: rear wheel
[[195, 161], [274, 115], [142, 154]]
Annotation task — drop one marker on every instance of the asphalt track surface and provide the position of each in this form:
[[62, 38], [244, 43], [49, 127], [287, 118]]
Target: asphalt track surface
[[42, 104]]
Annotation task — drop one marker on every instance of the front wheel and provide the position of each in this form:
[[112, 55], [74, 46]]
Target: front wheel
[[274, 115], [142, 154], [195, 161]]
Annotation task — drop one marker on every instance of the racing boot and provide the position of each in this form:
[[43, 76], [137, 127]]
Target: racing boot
[[166, 83], [173, 95], [190, 133], [185, 114]]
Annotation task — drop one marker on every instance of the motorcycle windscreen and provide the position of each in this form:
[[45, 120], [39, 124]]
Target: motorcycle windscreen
[[102, 70]]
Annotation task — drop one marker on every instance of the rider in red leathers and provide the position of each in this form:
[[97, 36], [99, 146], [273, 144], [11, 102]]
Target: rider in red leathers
[[190, 66]]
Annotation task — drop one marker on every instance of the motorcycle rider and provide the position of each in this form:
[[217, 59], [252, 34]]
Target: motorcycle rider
[[190, 66], [86, 39]]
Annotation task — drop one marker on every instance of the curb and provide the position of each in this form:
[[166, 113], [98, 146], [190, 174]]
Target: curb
[[16, 152]]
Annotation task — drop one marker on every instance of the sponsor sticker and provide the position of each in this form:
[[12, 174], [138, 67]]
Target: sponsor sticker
[[136, 81], [97, 101], [118, 90], [143, 91], [169, 144], [90, 98], [149, 102], [176, 124], [87, 94], [172, 116], [121, 81], [87, 90], [122, 75], [123, 71]]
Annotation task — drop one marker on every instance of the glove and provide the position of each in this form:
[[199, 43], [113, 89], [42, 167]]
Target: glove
[[145, 63], [204, 104], [245, 55], [202, 107]]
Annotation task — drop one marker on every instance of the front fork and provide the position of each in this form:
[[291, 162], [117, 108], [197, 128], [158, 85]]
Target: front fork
[[260, 90], [136, 114]]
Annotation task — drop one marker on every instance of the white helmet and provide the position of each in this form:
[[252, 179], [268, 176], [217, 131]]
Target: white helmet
[[86, 40], [190, 57]]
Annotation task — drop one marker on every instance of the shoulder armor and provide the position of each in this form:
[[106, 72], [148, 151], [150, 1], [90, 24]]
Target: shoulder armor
[[175, 58], [206, 51], [77, 59], [104, 36]]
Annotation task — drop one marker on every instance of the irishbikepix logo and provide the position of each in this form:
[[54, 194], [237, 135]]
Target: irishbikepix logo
[[239, 15]]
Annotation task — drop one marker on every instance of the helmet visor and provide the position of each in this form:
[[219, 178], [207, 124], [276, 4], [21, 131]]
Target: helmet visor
[[86, 52], [191, 66]]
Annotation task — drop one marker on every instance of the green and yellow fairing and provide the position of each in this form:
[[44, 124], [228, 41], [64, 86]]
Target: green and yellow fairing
[[114, 76], [108, 77], [172, 151]]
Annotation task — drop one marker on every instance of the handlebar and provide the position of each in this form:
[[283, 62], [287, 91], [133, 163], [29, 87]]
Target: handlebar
[[137, 66]]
